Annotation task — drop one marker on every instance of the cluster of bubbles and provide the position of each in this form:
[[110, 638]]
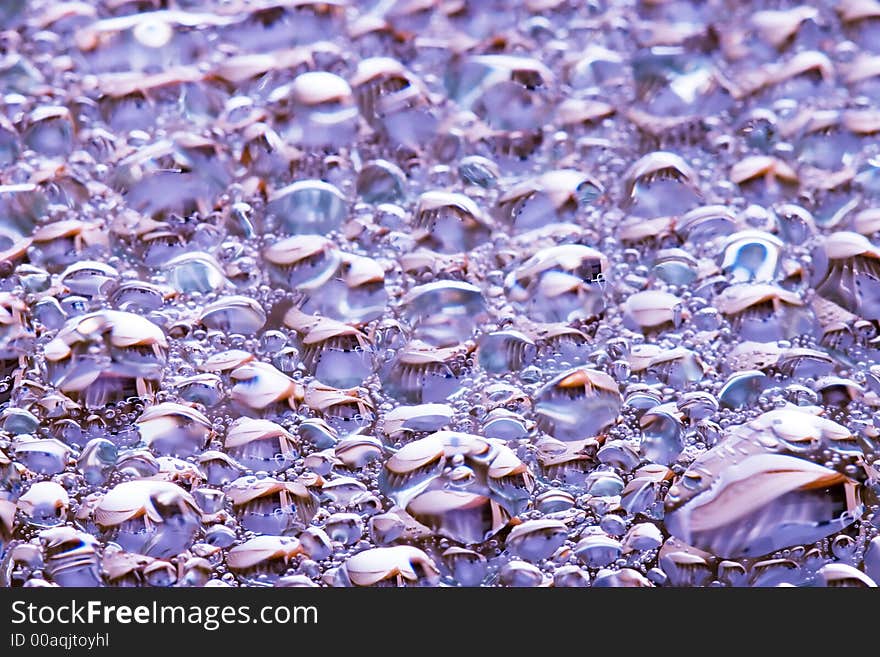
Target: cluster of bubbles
[[461, 293]]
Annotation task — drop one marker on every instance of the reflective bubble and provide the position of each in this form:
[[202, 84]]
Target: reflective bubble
[[660, 184], [43, 456], [578, 404], [465, 487], [97, 460], [307, 207], [662, 434], [536, 539], [468, 568], [450, 223], [71, 557], [511, 93], [520, 574], [419, 374], [597, 550], [791, 499], [844, 273], [44, 504], [391, 566], [263, 555], [261, 444], [444, 313], [555, 196], [561, 283], [174, 429], [270, 506], [155, 518], [751, 256]]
